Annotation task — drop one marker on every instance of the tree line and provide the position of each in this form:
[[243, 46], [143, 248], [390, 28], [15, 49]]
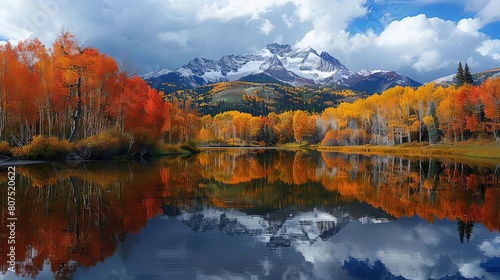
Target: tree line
[[398, 115]]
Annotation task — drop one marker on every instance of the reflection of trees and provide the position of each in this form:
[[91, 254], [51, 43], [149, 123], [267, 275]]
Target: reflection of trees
[[464, 229], [400, 186], [75, 217], [78, 215]]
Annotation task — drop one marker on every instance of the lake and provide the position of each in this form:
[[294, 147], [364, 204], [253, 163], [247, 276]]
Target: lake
[[254, 214]]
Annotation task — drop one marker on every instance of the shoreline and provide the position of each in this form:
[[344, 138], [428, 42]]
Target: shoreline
[[490, 150], [480, 149], [470, 150]]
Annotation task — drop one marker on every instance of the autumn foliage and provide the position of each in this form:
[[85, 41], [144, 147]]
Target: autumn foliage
[[398, 115], [40, 95]]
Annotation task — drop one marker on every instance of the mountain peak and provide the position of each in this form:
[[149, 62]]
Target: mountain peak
[[278, 49], [273, 63], [283, 63], [330, 63]]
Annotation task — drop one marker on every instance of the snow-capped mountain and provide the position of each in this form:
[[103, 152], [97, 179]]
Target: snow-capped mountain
[[297, 228], [279, 63], [305, 227]]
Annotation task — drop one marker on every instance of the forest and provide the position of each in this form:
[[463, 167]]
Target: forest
[[398, 115], [73, 93], [70, 97]]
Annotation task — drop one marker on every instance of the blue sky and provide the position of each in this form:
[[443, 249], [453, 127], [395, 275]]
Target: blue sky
[[423, 39]]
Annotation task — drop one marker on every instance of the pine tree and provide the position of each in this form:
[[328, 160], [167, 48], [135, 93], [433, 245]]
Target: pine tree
[[434, 132], [460, 74], [467, 75]]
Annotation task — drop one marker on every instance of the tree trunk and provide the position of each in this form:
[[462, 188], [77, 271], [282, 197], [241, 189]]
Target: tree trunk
[[76, 115]]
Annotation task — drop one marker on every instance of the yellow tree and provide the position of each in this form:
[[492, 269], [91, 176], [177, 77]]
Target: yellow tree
[[285, 127], [303, 126]]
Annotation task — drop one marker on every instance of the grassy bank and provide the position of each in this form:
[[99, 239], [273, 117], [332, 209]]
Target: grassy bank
[[473, 149], [107, 146]]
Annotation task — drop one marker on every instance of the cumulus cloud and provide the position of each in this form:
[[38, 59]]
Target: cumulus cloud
[[423, 46], [170, 33], [490, 48], [491, 248], [329, 20]]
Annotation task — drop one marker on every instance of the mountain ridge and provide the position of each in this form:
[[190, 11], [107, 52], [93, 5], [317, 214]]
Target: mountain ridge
[[478, 77], [294, 66]]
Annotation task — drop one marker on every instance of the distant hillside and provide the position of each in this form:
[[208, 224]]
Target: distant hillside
[[478, 77], [259, 98]]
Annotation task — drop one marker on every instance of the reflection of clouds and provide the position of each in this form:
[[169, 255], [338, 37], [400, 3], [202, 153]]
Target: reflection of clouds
[[409, 265], [491, 248], [267, 265], [430, 236], [412, 251], [471, 270], [408, 247]]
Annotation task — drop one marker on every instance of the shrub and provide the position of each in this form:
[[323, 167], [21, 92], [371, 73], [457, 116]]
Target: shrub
[[46, 148], [5, 149], [141, 142], [106, 144], [190, 146]]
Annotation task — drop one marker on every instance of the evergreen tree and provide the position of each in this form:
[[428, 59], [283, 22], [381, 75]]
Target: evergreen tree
[[460, 74], [461, 230], [467, 75], [434, 132]]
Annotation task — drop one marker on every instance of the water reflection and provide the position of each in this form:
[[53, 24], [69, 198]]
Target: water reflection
[[245, 214]]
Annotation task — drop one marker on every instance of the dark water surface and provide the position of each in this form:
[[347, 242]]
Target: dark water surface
[[248, 214]]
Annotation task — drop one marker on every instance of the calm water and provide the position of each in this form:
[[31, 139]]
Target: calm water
[[246, 214]]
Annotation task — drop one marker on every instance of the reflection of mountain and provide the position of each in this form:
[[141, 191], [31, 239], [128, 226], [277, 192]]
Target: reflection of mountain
[[80, 214], [299, 227]]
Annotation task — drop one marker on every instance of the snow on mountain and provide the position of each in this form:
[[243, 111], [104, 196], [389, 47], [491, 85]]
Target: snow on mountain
[[366, 72], [305, 227], [282, 62], [155, 74], [445, 79]]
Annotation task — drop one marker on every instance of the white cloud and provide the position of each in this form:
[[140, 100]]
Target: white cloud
[[471, 270], [231, 9], [329, 19], [490, 48], [411, 30], [266, 27], [288, 20], [470, 25], [491, 248], [172, 32], [487, 10], [420, 45]]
